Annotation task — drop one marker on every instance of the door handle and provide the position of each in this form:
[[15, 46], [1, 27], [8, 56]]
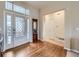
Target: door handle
[[14, 30]]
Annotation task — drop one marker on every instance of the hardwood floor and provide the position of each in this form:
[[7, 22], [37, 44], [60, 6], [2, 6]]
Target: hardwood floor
[[39, 49]]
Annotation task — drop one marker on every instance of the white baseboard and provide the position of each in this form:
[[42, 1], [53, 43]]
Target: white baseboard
[[71, 50], [75, 50], [67, 48]]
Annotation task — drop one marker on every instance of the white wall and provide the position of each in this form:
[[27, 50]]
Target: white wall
[[54, 25]]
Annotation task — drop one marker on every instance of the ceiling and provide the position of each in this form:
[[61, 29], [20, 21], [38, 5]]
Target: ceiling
[[47, 4]]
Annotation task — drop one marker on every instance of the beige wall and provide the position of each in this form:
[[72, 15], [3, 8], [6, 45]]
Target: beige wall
[[75, 26], [53, 25], [1, 17]]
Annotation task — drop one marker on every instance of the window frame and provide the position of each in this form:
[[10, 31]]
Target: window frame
[[27, 14]]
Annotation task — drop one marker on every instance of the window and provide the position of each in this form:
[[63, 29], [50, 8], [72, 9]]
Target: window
[[8, 5], [19, 9], [16, 8], [9, 29]]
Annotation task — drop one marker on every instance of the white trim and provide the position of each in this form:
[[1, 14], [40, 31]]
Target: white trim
[[67, 48], [75, 50], [71, 50]]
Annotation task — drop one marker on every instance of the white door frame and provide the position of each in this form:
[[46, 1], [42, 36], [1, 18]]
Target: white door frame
[[12, 45]]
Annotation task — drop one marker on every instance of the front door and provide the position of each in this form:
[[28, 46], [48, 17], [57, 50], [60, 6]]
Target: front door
[[15, 30], [19, 30]]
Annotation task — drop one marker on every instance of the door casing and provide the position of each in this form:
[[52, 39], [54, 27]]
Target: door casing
[[14, 41]]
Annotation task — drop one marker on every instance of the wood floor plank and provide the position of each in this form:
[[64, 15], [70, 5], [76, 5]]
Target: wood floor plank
[[39, 49]]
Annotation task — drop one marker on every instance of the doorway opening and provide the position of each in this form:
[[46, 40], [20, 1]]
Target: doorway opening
[[53, 27]]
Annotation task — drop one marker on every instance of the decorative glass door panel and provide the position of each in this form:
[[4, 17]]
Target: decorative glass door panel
[[9, 28], [19, 30], [19, 26], [8, 36]]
